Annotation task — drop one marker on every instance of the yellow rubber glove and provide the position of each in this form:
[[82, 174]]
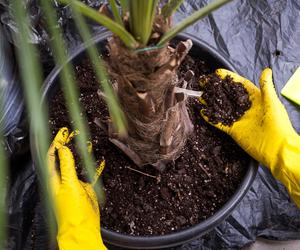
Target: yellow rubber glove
[[266, 133], [75, 202]]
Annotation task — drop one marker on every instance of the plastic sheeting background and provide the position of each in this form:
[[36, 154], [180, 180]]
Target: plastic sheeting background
[[253, 35], [11, 103]]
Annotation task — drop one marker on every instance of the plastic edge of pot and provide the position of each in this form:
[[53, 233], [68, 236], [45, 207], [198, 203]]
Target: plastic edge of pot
[[184, 235]]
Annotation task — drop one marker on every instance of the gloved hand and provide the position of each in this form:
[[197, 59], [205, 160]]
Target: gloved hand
[[75, 202], [266, 133]]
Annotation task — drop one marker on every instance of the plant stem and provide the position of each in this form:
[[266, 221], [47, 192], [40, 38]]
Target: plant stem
[[191, 20]]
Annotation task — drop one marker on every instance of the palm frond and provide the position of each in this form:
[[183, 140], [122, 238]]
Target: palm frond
[[32, 82], [113, 26], [115, 11], [124, 6], [71, 95], [115, 111], [169, 8], [141, 18], [191, 20]]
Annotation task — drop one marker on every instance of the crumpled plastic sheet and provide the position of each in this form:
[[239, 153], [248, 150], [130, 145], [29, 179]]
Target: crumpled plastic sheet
[[11, 100], [253, 35], [22, 200]]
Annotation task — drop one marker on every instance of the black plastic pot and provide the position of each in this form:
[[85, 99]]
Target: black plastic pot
[[215, 60]]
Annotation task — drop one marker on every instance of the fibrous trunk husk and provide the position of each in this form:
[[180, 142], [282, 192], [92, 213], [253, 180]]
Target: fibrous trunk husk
[[158, 121]]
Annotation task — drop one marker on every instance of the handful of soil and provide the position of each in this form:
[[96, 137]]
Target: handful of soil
[[226, 100]]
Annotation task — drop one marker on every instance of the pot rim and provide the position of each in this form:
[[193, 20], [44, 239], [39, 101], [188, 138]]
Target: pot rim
[[186, 234]]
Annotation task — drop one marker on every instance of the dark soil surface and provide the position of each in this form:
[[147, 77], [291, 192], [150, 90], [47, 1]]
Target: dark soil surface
[[226, 101], [190, 190]]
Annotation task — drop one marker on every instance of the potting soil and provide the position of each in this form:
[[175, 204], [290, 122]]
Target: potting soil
[[225, 101], [194, 187], [253, 35]]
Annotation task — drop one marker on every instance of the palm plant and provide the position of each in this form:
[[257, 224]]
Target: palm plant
[[145, 69]]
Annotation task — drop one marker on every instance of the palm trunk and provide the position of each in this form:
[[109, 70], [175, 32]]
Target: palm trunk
[[158, 121]]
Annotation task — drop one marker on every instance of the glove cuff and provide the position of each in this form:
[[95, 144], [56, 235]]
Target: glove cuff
[[80, 238]]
